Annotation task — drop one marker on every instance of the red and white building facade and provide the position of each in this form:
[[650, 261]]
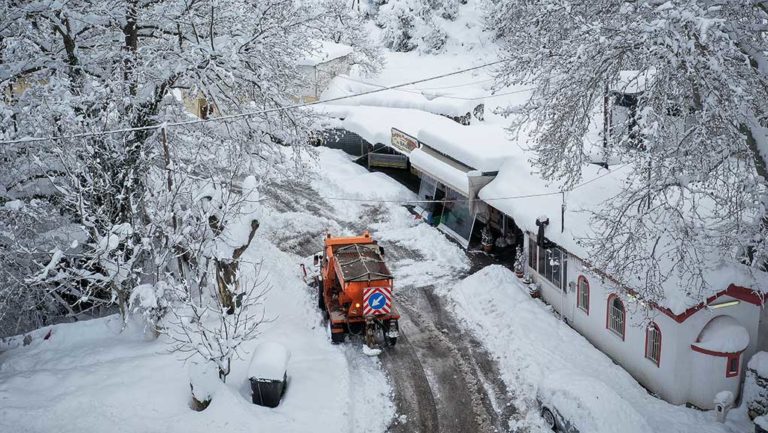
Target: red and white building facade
[[682, 358]]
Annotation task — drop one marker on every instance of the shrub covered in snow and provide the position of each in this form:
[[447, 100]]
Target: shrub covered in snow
[[204, 381], [410, 24], [150, 302], [756, 385]]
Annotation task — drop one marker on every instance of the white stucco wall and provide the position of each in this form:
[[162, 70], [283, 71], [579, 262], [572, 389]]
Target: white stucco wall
[[317, 77], [673, 379]]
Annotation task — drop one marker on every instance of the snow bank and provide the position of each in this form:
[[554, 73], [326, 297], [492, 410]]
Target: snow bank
[[536, 345], [269, 361], [348, 187], [723, 334], [204, 380], [589, 404], [130, 385], [759, 363]]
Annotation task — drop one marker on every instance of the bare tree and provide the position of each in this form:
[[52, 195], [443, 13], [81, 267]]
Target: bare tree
[[214, 331]]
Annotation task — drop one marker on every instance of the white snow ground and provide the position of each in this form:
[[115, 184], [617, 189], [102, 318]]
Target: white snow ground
[[90, 377], [531, 344]]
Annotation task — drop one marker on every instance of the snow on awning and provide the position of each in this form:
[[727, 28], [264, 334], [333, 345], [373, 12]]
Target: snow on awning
[[444, 170], [481, 147], [723, 334]]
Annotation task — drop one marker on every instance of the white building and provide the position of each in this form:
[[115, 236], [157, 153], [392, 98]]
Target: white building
[[330, 60], [684, 349]]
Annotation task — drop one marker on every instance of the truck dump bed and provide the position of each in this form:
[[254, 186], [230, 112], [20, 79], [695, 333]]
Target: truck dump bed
[[361, 262]]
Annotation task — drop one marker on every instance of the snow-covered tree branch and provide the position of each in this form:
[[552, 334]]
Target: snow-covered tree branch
[[694, 74], [131, 199]]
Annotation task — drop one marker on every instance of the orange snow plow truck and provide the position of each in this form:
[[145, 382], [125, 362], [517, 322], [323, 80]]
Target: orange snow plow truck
[[355, 290]]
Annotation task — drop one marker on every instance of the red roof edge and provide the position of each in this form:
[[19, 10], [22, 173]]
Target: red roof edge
[[734, 291]]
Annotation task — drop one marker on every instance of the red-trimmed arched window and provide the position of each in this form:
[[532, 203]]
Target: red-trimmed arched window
[[615, 317], [653, 343], [582, 294]]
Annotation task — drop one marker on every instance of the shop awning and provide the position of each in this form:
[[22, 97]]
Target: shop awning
[[444, 170]]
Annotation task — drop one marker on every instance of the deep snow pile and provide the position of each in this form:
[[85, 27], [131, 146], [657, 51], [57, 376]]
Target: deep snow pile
[[90, 377], [535, 345]]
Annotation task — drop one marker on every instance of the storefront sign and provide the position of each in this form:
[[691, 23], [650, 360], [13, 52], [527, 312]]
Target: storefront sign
[[403, 142]]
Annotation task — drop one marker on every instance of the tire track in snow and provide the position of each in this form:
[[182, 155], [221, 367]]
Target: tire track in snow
[[442, 378]]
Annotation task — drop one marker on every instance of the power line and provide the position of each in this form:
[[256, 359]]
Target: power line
[[240, 115], [462, 200], [420, 92]]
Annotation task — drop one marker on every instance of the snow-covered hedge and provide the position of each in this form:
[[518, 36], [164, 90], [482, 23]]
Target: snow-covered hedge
[[756, 385]]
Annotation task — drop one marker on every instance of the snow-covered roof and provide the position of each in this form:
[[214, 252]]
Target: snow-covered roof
[[518, 177], [481, 147], [429, 101], [723, 334], [269, 361], [326, 52], [375, 124]]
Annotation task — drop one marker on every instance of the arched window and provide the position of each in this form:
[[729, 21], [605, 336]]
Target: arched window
[[582, 295], [653, 343], [615, 316]]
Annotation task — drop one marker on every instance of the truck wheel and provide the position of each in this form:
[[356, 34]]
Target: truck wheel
[[336, 338], [320, 299], [390, 325], [549, 419]]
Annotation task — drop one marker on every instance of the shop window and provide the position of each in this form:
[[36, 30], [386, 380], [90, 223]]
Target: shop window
[[551, 262], [732, 368], [653, 343], [427, 188], [616, 316], [532, 252], [623, 125], [582, 295], [456, 214]]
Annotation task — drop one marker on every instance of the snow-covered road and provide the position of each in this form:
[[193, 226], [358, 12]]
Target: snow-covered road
[[443, 380]]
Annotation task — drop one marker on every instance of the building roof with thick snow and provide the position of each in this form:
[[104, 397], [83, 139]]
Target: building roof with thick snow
[[429, 101], [520, 192], [479, 147], [326, 51]]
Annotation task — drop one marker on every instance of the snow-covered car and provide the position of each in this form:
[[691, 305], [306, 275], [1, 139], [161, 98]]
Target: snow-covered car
[[573, 403], [268, 373]]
